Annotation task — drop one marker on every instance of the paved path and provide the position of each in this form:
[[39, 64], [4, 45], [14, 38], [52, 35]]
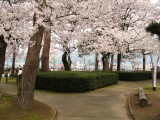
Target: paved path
[[103, 104]]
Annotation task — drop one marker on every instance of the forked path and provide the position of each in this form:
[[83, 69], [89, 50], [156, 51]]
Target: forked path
[[103, 104]]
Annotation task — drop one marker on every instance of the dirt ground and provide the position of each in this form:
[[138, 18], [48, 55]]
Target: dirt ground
[[9, 110], [149, 112]]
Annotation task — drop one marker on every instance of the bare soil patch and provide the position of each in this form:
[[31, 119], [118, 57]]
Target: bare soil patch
[[9, 110], [149, 112]]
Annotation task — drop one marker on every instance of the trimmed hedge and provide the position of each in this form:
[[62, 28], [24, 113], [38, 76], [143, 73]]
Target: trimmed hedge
[[67, 81], [135, 76]]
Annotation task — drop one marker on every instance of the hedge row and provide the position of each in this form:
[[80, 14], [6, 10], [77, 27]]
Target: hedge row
[[74, 81], [135, 76]]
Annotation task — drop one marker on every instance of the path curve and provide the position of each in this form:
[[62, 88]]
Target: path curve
[[103, 104]]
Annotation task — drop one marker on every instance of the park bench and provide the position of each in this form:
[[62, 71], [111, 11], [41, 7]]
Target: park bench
[[142, 98]]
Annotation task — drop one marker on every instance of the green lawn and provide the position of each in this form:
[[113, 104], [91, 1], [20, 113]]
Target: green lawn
[[9, 110], [149, 89], [11, 80]]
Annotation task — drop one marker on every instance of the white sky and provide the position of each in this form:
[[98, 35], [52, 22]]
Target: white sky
[[154, 1]]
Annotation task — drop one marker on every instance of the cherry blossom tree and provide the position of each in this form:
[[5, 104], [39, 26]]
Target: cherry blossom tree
[[68, 28], [114, 16], [17, 28], [106, 27], [153, 28], [127, 15], [42, 10], [12, 27], [26, 95]]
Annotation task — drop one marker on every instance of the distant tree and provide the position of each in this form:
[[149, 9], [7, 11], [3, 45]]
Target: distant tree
[[52, 60], [112, 62], [115, 16], [68, 29], [154, 28], [96, 61]]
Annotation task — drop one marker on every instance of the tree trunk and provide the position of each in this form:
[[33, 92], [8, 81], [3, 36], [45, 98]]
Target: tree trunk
[[46, 49], [69, 61], [65, 62], [112, 61], [27, 82], [96, 62], [107, 62], [104, 63], [3, 46], [144, 61], [152, 77], [13, 65], [119, 62]]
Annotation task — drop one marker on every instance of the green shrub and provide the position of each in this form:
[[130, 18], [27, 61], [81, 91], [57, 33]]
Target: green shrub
[[67, 81], [135, 76]]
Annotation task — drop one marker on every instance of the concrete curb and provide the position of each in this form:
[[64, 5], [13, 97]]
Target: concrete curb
[[55, 115], [129, 107]]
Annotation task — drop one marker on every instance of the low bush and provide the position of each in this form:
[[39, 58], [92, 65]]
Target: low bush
[[134, 76], [67, 81]]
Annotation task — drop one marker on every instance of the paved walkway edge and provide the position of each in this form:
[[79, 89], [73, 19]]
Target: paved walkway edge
[[55, 115], [129, 107]]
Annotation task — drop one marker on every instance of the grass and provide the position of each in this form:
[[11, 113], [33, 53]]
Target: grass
[[4, 103], [136, 118], [11, 80], [9, 110], [149, 89]]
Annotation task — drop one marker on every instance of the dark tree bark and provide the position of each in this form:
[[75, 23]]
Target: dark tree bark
[[27, 82], [66, 63], [46, 49], [112, 61], [96, 62], [119, 62], [69, 61], [103, 61], [107, 62], [13, 65], [3, 46], [144, 61]]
